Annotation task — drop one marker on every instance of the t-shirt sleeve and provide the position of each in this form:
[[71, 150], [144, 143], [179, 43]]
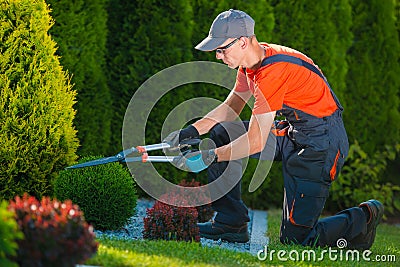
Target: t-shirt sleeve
[[269, 92]]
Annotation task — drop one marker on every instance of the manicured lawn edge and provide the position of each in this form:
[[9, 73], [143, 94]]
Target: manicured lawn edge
[[169, 253]]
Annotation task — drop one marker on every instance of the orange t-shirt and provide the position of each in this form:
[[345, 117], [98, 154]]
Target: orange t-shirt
[[286, 83]]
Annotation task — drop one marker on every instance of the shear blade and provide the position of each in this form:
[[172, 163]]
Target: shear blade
[[95, 162]]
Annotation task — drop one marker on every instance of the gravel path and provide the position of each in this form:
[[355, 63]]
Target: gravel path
[[134, 228]]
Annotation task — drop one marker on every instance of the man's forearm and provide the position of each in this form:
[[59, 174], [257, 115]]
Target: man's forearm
[[229, 110], [221, 113], [250, 143]]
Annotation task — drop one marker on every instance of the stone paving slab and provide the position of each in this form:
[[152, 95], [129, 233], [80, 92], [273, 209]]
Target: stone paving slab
[[259, 228]]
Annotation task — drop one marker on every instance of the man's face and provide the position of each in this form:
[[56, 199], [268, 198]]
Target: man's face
[[230, 52]]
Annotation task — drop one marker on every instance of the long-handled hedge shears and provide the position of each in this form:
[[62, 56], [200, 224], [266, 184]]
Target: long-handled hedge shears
[[122, 156]]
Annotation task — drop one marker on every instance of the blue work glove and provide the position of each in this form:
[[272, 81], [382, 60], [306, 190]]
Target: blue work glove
[[176, 137], [196, 161]]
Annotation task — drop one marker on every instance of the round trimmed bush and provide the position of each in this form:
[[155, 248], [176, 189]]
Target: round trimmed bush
[[105, 193]]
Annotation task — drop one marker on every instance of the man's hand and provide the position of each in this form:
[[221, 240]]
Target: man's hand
[[196, 161], [176, 137]]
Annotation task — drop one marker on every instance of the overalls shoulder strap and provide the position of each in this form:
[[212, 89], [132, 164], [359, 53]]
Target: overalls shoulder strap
[[298, 61]]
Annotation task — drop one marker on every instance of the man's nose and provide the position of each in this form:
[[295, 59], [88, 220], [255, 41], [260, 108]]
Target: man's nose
[[219, 55]]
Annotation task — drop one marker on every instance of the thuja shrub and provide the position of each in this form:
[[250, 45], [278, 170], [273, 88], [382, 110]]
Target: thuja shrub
[[205, 212], [106, 193], [56, 233], [37, 136], [169, 222], [9, 233], [360, 179]]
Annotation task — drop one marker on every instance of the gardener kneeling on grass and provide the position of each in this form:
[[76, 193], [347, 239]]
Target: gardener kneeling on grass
[[311, 142]]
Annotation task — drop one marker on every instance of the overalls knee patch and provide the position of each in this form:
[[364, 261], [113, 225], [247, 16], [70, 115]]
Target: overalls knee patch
[[308, 202]]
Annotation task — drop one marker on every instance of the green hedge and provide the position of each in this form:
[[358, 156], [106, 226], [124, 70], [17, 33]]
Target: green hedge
[[372, 82], [36, 104], [112, 47], [123, 67], [312, 27], [80, 31]]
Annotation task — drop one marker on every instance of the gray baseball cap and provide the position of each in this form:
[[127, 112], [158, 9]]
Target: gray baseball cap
[[228, 24]]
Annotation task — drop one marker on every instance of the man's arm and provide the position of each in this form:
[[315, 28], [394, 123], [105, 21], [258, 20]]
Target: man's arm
[[250, 143], [229, 110]]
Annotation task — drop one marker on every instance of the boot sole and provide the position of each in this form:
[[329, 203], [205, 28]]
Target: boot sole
[[231, 237]]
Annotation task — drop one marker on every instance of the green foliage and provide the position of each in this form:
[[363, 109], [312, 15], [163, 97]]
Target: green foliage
[[124, 73], [204, 13], [270, 193], [105, 193], [162, 48], [9, 233], [360, 180], [80, 31], [205, 212], [155, 37], [373, 82], [56, 233], [169, 222], [36, 104], [112, 46], [143, 42], [312, 27]]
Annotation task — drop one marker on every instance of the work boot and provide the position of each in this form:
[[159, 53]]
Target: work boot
[[374, 211], [215, 230]]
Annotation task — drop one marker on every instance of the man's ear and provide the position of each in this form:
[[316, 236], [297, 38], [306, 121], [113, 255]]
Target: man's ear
[[244, 42]]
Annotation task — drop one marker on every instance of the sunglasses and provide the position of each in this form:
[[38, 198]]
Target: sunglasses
[[221, 50]]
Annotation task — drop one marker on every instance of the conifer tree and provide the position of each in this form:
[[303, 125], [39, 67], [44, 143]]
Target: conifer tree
[[321, 30], [37, 137], [124, 74], [373, 82], [80, 31]]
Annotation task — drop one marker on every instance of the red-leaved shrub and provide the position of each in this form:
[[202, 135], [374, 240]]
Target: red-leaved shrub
[[56, 233], [205, 212], [168, 222]]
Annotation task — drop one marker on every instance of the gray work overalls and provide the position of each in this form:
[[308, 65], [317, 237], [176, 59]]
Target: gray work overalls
[[312, 151]]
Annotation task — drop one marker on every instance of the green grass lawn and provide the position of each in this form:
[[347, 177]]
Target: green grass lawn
[[167, 253]]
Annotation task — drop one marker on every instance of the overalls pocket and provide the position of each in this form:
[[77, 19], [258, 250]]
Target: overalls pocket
[[307, 163], [308, 202]]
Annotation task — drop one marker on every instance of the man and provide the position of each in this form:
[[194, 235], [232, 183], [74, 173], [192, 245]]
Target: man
[[311, 142]]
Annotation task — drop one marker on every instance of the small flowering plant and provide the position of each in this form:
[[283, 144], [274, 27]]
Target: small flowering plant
[[179, 223], [169, 222], [56, 233], [205, 212]]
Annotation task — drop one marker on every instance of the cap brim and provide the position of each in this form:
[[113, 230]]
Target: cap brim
[[210, 43]]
